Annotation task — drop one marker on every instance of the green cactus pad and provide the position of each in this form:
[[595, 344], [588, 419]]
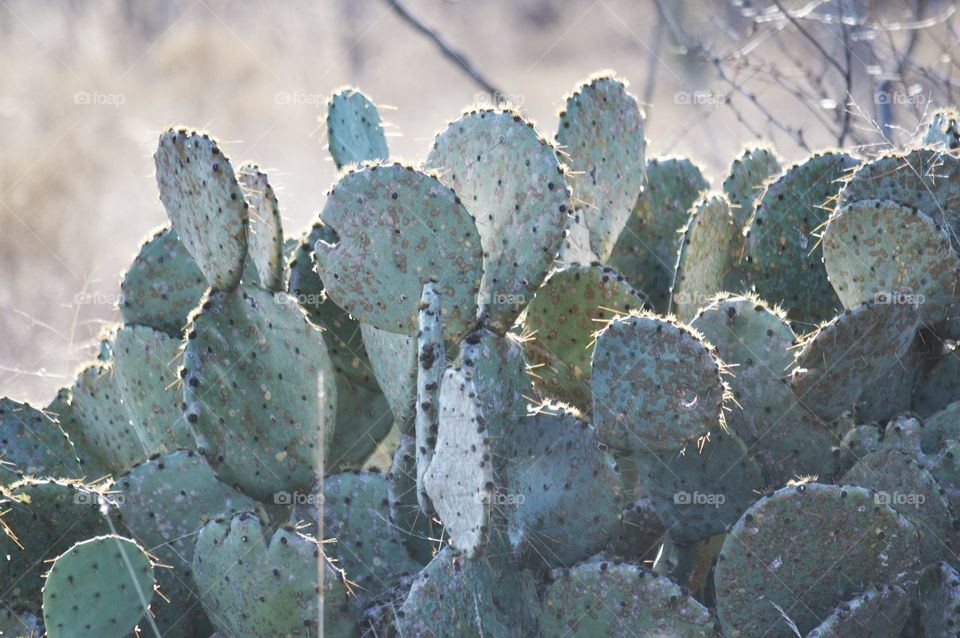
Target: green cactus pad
[[925, 179], [162, 285], [656, 385], [515, 188], [892, 393], [354, 131], [418, 533], [204, 203], [496, 366], [943, 129], [601, 137], [755, 340], [562, 319], [646, 252], [92, 467], [431, 362], [903, 484], [562, 492], [747, 179], [856, 443], [461, 472], [99, 410], [356, 512], [145, 369], [940, 427], [33, 443], [42, 518], [785, 257], [576, 245], [940, 596], [399, 228], [701, 491], [641, 532], [620, 600], [272, 590], [706, 260], [804, 550], [454, 596], [260, 391], [264, 227], [846, 355], [393, 358], [940, 385], [879, 250], [876, 613], [99, 587]]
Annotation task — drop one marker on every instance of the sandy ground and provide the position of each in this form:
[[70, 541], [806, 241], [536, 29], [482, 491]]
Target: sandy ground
[[86, 87]]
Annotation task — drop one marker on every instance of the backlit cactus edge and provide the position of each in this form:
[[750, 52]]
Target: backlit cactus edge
[[618, 402]]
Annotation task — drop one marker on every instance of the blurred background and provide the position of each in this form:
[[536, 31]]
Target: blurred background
[[86, 87]]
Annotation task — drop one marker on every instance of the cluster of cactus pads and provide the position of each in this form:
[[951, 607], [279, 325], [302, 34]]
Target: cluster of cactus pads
[[617, 402]]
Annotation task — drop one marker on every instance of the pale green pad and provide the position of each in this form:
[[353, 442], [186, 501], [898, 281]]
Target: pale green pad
[[33, 444], [747, 179], [512, 182], [204, 203], [354, 131], [393, 358], [431, 362], [264, 227]]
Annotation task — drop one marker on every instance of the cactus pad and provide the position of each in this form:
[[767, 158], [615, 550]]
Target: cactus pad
[[398, 228], [264, 228], [747, 180], [33, 444], [100, 587], [562, 319], [805, 549], [259, 389], [354, 131], [646, 252], [393, 358], [620, 600], [707, 257], [601, 135], [656, 385], [431, 362], [786, 259], [204, 203], [162, 285], [876, 613], [940, 593], [514, 186]]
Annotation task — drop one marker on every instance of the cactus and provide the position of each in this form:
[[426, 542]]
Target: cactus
[[354, 130], [747, 180], [876, 613], [431, 363], [264, 228], [34, 444], [99, 587], [940, 592]]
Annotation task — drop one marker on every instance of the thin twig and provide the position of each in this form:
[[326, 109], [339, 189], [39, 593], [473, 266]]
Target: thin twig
[[401, 10]]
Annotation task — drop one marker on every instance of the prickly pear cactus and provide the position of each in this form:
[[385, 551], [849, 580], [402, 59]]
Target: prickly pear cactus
[[940, 592], [431, 364], [747, 179], [34, 444], [876, 613], [513, 184], [100, 587], [601, 138], [205, 204], [264, 228], [354, 130]]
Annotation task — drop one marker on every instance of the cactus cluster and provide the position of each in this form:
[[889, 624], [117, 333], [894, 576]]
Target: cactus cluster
[[615, 402]]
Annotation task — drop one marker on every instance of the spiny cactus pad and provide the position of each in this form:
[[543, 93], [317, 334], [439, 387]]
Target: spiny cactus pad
[[601, 138], [99, 587], [264, 227], [33, 444], [844, 356], [806, 548], [399, 228], [940, 593], [259, 389], [431, 362], [261, 585], [204, 203], [354, 130], [42, 518], [511, 181], [620, 600], [755, 341], [747, 180], [879, 250], [707, 258], [565, 313], [876, 613], [656, 385], [393, 358], [786, 260], [701, 491], [560, 491], [162, 285], [646, 251]]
